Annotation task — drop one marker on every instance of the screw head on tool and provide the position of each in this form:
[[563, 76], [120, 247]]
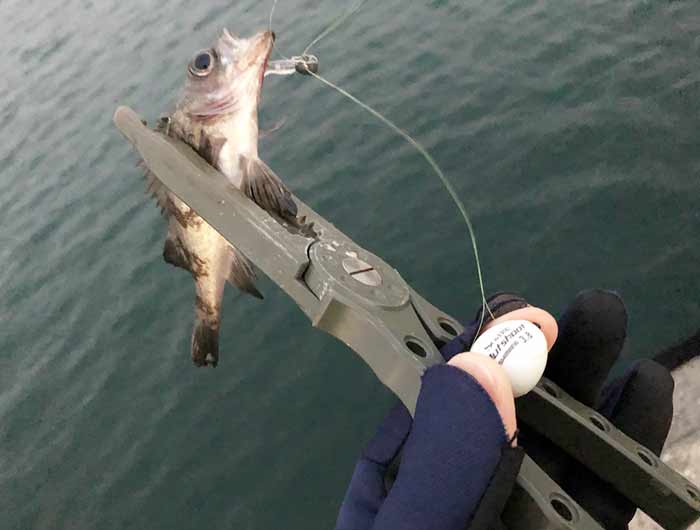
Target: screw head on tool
[[362, 271]]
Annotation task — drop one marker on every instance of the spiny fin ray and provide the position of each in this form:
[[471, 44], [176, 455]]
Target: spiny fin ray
[[159, 192], [260, 184]]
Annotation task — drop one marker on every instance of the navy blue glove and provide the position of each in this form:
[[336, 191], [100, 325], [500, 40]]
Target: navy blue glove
[[450, 454], [454, 446]]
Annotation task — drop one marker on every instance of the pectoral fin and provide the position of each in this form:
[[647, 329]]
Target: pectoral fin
[[261, 185], [175, 254], [242, 274]]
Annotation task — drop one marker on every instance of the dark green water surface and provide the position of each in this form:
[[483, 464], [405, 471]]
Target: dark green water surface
[[569, 129]]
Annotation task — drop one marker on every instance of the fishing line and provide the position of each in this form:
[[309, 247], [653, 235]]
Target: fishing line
[[269, 27], [334, 25], [445, 181], [412, 141], [272, 14]]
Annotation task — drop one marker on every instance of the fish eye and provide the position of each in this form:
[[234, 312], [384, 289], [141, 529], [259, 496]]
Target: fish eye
[[202, 64]]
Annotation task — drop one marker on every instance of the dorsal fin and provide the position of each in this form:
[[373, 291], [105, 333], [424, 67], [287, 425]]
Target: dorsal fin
[[155, 189]]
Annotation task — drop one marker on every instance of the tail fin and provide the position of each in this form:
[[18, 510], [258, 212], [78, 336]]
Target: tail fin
[[680, 354], [205, 343]]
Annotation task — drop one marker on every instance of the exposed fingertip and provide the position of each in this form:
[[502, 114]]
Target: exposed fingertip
[[541, 318], [494, 380]]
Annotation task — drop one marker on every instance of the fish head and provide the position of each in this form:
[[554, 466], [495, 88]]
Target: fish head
[[228, 76]]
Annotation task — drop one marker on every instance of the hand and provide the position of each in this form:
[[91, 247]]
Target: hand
[[592, 332], [464, 423]]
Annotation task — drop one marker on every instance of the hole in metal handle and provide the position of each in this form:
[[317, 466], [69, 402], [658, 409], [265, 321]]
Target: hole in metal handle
[[564, 508], [599, 423], [550, 389], [416, 347], [447, 327], [693, 494], [646, 457]]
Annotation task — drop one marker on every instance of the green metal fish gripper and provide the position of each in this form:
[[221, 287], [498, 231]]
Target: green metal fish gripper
[[358, 298]]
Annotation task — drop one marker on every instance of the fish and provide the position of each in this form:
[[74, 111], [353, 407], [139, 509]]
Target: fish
[[217, 115]]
